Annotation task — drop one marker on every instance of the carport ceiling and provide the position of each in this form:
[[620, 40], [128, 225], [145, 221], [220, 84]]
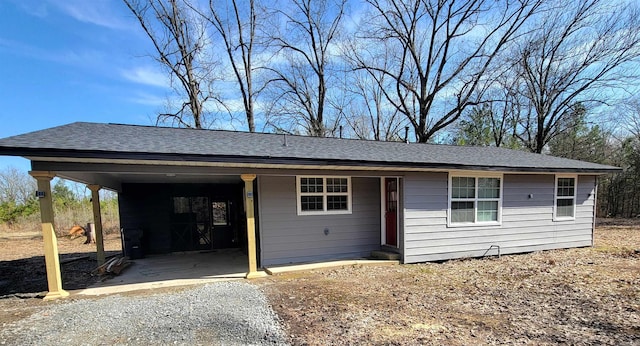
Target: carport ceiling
[[114, 181]]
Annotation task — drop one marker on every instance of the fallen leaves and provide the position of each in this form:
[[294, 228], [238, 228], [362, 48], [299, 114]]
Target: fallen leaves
[[575, 296]]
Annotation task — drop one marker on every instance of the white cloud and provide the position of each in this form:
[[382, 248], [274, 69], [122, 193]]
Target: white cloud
[[33, 8], [147, 76], [149, 99], [97, 12], [83, 57], [78, 57]]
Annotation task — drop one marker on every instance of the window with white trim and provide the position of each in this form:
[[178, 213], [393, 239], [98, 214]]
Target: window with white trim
[[324, 195], [565, 207], [475, 199]]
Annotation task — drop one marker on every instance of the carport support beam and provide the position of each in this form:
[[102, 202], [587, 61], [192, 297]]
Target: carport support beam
[[251, 224], [97, 220], [52, 261]]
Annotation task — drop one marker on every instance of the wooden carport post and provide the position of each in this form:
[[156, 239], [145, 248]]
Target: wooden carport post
[[52, 261], [97, 220], [251, 225]]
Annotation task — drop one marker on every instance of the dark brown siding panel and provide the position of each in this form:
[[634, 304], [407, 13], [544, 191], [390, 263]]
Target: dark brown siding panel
[[150, 207], [147, 207]]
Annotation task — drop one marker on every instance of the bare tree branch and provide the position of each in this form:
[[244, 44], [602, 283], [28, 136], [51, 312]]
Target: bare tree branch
[[443, 49], [180, 44], [581, 50], [237, 29], [301, 85]]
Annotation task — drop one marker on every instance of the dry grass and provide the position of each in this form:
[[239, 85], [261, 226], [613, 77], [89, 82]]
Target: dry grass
[[64, 219], [31, 245], [575, 296]]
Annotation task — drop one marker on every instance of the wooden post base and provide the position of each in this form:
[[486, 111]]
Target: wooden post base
[[56, 295]]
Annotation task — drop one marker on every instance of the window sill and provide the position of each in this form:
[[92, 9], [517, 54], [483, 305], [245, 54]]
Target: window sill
[[473, 224], [316, 213], [563, 219]]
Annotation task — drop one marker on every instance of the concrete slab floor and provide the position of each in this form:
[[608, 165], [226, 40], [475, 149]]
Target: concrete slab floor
[[184, 269], [175, 270]]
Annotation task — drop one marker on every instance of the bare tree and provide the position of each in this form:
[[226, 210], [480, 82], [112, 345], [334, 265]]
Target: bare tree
[[304, 33], [16, 187], [181, 46], [627, 117], [582, 50], [237, 26], [369, 115], [442, 51], [494, 122], [581, 141]]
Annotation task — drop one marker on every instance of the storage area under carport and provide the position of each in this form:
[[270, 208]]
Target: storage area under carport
[[180, 217]]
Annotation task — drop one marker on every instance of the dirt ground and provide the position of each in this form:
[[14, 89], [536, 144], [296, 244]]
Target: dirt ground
[[22, 266], [577, 296]]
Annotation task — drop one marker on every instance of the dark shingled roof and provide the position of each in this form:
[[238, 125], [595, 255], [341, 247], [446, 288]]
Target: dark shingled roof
[[115, 141]]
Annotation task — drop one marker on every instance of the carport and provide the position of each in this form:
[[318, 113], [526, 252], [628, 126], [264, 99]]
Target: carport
[[177, 269], [143, 186]]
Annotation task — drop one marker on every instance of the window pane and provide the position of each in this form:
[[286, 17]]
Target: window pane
[[566, 187], [488, 188], [337, 203], [564, 207], [220, 213], [309, 203], [487, 211], [462, 212], [181, 205], [311, 185], [463, 187], [200, 208], [337, 185]]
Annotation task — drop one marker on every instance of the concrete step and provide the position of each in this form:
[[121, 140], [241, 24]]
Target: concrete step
[[386, 255]]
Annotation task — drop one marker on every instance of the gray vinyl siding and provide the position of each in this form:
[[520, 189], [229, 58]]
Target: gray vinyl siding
[[289, 238], [527, 223]]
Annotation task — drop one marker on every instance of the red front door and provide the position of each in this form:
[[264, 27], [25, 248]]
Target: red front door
[[391, 211]]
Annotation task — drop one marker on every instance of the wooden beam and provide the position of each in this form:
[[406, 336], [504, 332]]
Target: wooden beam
[[97, 220], [51, 258], [251, 224]]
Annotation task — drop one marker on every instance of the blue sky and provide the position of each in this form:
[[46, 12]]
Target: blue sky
[[63, 61]]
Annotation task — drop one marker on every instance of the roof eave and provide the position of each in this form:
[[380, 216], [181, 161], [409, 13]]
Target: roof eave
[[112, 155]]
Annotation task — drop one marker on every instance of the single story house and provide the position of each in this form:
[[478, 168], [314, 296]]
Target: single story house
[[293, 199]]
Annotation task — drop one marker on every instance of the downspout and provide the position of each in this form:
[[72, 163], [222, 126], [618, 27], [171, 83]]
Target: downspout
[[491, 247]]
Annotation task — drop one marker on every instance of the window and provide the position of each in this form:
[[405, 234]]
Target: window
[[324, 195], [475, 200], [565, 207], [220, 213]]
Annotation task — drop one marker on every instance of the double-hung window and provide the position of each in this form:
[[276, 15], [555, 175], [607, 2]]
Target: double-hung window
[[475, 199], [324, 195], [565, 206]]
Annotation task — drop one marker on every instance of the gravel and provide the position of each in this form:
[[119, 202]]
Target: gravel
[[225, 313]]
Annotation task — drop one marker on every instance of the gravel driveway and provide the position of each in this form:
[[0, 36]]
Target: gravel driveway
[[225, 313]]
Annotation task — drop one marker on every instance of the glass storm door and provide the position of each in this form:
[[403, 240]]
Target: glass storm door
[[224, 231]]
